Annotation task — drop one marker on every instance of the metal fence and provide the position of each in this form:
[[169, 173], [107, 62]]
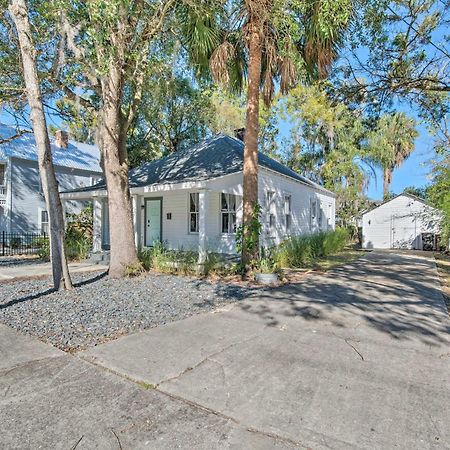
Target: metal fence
[[21, 243]]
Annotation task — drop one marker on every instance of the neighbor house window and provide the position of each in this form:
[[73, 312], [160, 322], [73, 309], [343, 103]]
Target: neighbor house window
[[270, 205], [287, 212], [228, 213], [44, 222], [2, 174], [193, 212]]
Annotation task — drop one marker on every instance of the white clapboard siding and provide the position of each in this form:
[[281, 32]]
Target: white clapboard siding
[[398, 223], [27, 200]]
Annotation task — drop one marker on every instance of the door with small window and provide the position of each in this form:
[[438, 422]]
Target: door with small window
[[153, 221]]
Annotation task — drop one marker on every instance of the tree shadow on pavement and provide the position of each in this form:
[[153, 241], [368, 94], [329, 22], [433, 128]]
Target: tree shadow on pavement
[[394, 294]]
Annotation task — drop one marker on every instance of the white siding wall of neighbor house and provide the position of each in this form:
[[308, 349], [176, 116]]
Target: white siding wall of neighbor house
[[27, 200], [303, 200], [175, 204], [398, 224]]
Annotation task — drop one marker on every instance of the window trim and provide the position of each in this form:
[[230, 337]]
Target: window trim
[[193, 212], [229, 212], [41, 222], [287, 214], [271, 227], [4, 167]]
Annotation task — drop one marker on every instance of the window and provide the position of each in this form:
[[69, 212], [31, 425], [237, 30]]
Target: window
[[312, 212], [319, 215], [287, 212], [94, 180], [228, 213], [270, 205], [44, 222], [193, 212], [2, 174]]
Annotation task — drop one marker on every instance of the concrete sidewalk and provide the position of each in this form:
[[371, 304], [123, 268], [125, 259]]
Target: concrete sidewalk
[[40, 269], [52, 400], [356, 358]]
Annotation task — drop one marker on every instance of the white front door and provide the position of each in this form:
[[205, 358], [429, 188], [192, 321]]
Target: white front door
[[153, 221]]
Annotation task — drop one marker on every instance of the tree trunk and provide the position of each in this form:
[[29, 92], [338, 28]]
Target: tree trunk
[[387, 179], [61, 276], [250, 190], [115, 164]]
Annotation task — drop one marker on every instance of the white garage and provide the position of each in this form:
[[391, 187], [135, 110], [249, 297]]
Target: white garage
[[404, 221]]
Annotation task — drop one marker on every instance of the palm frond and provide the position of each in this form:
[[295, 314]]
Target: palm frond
[[220, 61]]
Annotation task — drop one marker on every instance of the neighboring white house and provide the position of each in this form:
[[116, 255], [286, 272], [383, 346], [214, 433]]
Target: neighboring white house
[[192, 199], [400, 223], [22, 205]]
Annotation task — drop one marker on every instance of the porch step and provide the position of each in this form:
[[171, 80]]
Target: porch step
[[99, 258]]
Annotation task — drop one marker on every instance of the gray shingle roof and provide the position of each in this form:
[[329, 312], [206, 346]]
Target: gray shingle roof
[[214, 157], [77, 155]]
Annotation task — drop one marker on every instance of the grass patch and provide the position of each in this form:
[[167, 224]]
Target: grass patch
[[443, 267], [146, 386], [346, 256]]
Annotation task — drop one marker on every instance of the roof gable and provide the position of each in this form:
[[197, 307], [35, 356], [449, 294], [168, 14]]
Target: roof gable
[[402, 194], [76, 156]]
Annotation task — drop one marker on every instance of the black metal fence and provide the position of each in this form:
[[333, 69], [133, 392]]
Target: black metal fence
[[21, 243]]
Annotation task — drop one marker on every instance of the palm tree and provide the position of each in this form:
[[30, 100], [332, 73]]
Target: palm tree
[[262, 42], [391, 143]]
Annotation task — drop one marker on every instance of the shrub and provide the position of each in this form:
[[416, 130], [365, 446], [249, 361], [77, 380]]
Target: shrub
[[181, 261], [300, 251], [43, 247], [134, 270], [77, 245]]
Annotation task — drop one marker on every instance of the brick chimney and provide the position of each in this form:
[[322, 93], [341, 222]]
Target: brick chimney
[[62, 139], [239, 133]]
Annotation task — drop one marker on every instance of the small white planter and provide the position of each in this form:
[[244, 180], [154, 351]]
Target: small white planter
[[266, 278]]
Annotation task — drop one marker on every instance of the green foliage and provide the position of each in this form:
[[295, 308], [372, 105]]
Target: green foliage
[[173, 115], [327, 144], [266, 263], [42, 244], [248, 234], [78, 244], [78, 237], [182, 262], [134, 270], [438, 193], [392, 140], [302, 251]]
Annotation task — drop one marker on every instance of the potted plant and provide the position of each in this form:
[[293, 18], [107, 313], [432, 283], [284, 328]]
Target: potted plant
[[266, 270]]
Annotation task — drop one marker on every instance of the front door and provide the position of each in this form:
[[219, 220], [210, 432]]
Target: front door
[[153, 211]]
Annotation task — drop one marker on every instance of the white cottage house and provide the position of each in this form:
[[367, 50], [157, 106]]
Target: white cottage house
[[192, 199], [22, 205], [405, 222]]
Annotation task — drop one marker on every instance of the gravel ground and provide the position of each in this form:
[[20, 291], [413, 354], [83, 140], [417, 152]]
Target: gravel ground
[[100, 308]]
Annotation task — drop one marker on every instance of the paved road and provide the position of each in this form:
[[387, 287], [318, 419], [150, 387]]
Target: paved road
[[358, 358]]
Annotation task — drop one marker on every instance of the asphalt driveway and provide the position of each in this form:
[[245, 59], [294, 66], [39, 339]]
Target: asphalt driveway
[[356, 358]]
